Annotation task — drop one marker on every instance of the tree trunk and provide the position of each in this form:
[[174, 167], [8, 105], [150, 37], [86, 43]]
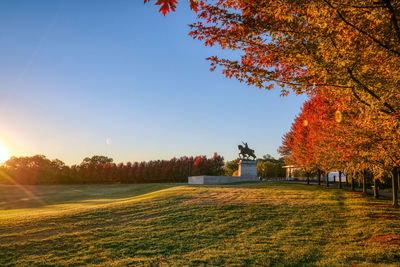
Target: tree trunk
[[340, 179], [347, 180], [376, 189], [319, 177], [395, 186], [327, 178], [352, 184], [308, 178], [364, 181]]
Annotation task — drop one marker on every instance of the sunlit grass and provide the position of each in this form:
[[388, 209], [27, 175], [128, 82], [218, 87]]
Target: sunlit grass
[[243, 224]]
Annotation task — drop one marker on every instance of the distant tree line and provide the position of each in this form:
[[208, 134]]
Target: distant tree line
[[269, 167], [102, 170]]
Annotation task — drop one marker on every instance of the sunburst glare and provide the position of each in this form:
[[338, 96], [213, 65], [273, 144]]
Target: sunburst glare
[[4, 154]]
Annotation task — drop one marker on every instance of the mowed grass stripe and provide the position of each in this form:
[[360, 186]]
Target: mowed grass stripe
[[243, 224]]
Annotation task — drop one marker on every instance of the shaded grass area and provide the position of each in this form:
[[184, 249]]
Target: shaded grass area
[[242, 224], [36, 196]]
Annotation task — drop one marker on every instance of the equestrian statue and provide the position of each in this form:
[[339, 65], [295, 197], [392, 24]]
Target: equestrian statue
[[246, 152]]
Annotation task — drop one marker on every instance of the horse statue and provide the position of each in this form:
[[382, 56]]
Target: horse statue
[[246, 152]]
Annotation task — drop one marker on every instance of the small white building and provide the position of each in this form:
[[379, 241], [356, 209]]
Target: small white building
[[335, 175]]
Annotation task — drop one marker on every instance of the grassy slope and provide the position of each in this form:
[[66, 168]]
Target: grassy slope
[[259, 224]]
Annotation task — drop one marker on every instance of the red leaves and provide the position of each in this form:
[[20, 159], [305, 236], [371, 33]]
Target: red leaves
[[166, 6], [199, 160], [194, 5], [209, 42], [314, 139], [170, 5]]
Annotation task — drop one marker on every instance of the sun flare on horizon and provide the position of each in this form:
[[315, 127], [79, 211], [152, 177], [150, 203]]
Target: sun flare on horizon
[[4, 154]]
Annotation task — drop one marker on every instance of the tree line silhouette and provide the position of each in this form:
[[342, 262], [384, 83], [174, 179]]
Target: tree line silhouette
[[102, 170]]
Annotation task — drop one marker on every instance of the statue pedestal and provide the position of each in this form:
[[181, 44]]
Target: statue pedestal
[[205, 179], [247, 173], [247, 168]]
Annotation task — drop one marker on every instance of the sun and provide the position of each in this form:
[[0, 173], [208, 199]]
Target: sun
[[4, 155]]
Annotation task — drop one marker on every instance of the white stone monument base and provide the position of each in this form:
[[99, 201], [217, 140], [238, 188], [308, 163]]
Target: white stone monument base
[[205, 179], [247, 168]]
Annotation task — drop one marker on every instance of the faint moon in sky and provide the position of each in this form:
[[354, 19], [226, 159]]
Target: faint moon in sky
[[108, 141]]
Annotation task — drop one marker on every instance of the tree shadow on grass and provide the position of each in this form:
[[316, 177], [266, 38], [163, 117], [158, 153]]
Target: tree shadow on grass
[[273, 186], [38, 196], [339, 197]]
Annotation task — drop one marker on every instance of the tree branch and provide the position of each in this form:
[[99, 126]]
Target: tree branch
[[380, 43], [364, 102], [392, 110], [393, 18]]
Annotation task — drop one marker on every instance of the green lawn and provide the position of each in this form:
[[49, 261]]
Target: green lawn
[[166, 224]]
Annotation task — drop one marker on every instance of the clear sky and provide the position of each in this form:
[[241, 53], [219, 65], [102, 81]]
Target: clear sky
[[117, 78]]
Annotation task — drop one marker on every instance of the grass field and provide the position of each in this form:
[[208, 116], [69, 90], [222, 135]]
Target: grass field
[[169, 225]]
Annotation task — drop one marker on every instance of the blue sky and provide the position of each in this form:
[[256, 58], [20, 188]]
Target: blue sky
[[117, 78]]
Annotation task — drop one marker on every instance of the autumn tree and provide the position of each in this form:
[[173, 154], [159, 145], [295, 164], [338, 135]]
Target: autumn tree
[[347, 46], [269, 167], [231, 166], [334, 135]]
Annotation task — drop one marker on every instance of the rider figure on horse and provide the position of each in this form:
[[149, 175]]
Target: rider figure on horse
[[246, 151], [245, 145]]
